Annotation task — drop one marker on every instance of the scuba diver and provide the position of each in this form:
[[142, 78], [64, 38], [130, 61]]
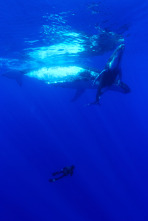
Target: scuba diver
[[64, 172]]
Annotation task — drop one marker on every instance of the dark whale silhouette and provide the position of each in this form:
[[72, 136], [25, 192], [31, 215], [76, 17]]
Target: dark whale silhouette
[[111, 76]]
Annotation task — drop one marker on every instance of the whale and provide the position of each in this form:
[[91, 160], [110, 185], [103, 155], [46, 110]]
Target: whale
[[80, 78], [75, 77], [110, 78]]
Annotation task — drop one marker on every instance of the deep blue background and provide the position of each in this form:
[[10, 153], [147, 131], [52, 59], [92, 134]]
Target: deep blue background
[[41, 131]]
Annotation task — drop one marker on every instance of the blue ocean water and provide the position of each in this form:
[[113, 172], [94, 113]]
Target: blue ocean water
[[42, 131]]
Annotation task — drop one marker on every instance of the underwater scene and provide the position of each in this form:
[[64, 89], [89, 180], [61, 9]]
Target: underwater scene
[[73, 110]]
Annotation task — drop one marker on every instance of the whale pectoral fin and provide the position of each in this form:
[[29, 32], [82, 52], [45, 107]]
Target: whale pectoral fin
[[98, 94], [19, 80], [126, 89], [99, 76], [120, 87], [78, 93], [119, 76]]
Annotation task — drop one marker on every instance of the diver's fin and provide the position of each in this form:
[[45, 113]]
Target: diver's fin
[[78, 93], [120, 87]]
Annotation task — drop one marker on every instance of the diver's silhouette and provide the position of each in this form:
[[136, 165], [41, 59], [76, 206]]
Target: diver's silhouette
[[64, 172]]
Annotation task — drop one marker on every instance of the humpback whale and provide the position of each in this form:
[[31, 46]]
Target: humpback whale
[[58, 76], [80, 78], [86, 78], [111, 76], [67, 77]]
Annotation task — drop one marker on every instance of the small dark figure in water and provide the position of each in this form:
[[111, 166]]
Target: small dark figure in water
[[64, 172]]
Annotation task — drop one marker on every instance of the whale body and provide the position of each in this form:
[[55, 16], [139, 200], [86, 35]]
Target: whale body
[[69, 77]]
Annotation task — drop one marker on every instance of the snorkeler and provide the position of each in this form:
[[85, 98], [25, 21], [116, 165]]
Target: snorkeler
[[64, 172]]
